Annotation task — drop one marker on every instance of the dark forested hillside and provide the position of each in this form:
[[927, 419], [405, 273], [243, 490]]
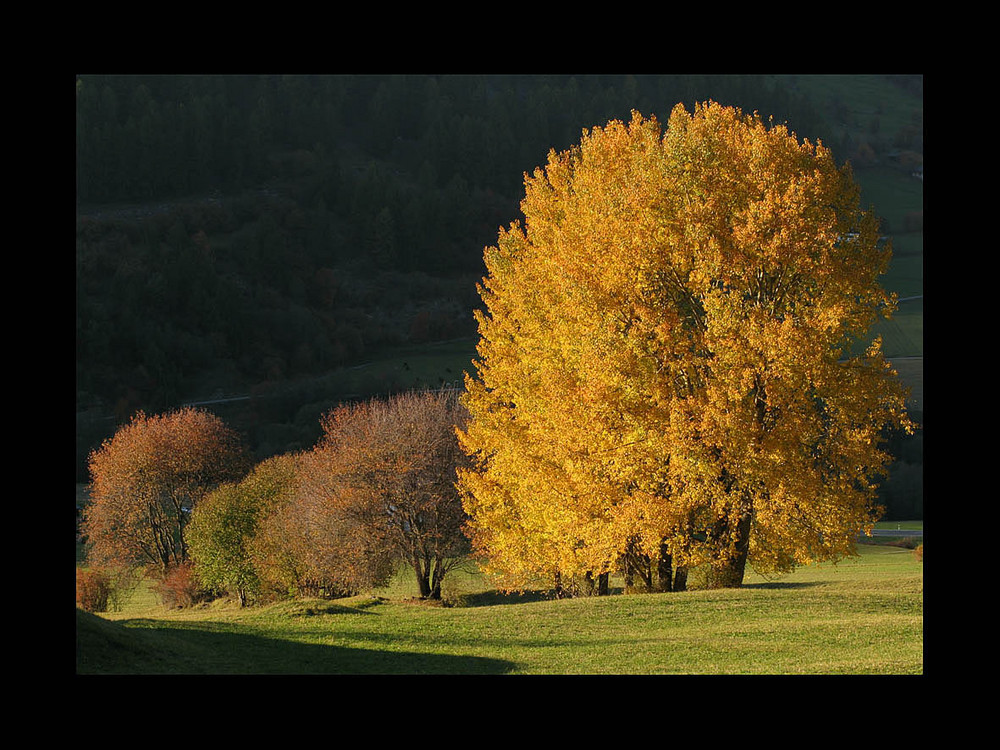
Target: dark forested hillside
[[235, 231], [144, 137]]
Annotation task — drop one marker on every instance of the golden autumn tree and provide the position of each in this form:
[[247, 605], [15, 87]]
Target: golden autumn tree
[[667, 371], [146, 480]]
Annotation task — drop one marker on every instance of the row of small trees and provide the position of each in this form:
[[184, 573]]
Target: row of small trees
[[176, 492]]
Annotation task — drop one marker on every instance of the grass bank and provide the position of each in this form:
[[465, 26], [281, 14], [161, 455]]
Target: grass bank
[[861, 616]]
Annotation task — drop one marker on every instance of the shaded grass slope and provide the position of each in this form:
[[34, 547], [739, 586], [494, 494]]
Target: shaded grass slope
[[152, 647], [862, 616]]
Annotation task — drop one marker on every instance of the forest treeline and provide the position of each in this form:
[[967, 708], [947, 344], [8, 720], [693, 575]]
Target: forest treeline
[[145, 137], [240, 229]]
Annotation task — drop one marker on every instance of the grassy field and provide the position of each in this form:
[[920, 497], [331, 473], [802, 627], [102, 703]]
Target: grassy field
[[861, 616]]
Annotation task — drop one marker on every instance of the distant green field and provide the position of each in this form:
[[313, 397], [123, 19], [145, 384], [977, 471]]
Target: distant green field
[[439, 365], [435, 365], [903, 335], [904, 525]]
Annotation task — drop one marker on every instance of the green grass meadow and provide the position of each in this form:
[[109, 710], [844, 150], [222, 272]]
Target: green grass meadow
[[860, 616]]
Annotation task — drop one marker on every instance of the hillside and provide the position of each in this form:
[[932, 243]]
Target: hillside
[[256, 242]]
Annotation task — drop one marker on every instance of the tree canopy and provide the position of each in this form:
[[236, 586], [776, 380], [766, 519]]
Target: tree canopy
[[668, 366], [227, 536], [148, 478], [388, 467]]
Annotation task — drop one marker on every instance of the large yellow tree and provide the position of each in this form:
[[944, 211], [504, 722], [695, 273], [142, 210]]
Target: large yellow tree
[[668, 370]]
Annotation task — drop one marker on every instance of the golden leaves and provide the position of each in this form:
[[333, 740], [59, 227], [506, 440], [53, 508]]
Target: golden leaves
[[662, 345]]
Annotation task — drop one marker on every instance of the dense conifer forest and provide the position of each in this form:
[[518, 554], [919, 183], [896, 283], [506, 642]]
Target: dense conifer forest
[[246, 234]]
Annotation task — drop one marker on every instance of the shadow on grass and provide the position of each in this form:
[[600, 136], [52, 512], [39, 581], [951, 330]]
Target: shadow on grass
[[112, 648], [493, 598], [783, 585], [333, 609]]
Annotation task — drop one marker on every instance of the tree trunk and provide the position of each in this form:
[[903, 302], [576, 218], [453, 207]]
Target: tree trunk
[[664, 569], [628, 565], [729, 574], [680, 579], [423, 579], [602, 585], [595, 587], [436, 579], [644, 567], [559, 593]]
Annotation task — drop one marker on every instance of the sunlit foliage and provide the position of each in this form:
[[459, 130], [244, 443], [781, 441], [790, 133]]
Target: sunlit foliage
[[389, 468], [147, 479], [313, 543], [229, 551], [667, 369]]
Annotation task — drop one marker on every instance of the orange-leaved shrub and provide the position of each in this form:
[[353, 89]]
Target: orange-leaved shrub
[[179, 587], [93, 590], [382, 479]]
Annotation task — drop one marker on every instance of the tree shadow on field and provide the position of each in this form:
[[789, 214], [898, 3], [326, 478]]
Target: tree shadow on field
[[195, 650], [323, 608], [493, 598], [783, 585]]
